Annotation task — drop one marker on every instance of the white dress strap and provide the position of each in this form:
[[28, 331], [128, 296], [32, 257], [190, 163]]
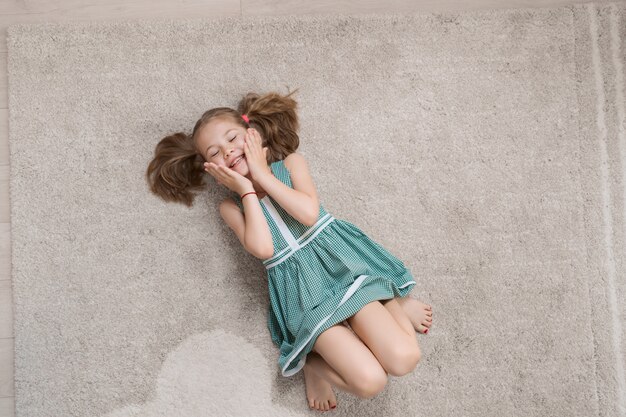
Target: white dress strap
[[282, 226]]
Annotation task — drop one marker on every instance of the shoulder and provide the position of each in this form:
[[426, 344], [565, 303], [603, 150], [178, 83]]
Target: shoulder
[[228, 203], [295, 160], [297, 166], [300, 176]]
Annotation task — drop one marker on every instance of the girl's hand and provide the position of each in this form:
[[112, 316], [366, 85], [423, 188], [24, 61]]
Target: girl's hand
[[233, 180], [256, 156]]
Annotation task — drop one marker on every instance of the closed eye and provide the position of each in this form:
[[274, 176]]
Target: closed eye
[[229, 141]]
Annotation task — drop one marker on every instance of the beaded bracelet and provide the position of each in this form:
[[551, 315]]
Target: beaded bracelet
[[251, 192]]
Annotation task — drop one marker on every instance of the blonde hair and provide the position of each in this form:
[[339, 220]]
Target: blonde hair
[[176, 173]]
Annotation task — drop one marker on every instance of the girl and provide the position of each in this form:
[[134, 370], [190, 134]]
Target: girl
[[339, 309]]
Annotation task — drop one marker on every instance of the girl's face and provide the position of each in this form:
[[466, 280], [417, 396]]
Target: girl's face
[[221, 141]]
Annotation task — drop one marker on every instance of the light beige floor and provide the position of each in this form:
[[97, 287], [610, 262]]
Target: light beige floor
[[34, 11]]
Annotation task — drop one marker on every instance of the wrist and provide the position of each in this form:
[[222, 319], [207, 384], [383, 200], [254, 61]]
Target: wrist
[[263, 178], [244, 192]]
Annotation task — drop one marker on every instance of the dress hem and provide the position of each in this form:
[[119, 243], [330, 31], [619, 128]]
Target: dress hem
[[351, 290]]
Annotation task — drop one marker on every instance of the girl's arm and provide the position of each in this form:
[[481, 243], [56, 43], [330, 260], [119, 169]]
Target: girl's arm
[[301, 201], [252, 230]]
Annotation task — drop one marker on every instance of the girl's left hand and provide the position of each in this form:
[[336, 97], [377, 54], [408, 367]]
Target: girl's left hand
[[256, 156]]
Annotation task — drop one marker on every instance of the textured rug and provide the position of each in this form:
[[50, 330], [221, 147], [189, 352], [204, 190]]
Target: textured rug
[[484, 149]]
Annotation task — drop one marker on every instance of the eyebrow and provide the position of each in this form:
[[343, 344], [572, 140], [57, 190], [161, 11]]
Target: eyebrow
[[225, 134]]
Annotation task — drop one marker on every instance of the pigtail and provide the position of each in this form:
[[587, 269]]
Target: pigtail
[[275, 117], [176, 169]]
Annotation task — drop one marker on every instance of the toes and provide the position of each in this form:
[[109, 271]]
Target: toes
[[321, 405]]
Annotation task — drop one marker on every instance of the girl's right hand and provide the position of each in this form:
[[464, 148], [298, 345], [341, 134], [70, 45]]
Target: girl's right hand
[[231, 179]]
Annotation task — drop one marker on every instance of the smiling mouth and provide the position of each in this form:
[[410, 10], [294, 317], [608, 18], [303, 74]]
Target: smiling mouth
[[237, 161]]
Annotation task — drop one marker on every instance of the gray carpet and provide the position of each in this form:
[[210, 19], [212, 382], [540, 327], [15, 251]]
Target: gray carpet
[[484, 149]]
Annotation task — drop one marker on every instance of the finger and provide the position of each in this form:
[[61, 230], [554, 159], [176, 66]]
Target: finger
[[256, 136], [249, 139], [251, 134], [222, 178], [227, 172], [257, 141], [208, 169], [250, 148], [217, 172], [211, 167]]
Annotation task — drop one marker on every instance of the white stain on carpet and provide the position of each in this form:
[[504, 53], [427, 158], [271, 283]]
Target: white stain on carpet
[[212, 374]]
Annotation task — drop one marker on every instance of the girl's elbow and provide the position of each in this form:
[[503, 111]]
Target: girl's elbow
[[261, 252], [313, 216], [308, 221], [266, 254]]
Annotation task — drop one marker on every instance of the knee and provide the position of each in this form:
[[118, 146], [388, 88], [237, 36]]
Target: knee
[[404, 360], [370, 383]]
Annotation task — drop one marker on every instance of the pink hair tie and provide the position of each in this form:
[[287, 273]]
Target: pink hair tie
[[244, 117]]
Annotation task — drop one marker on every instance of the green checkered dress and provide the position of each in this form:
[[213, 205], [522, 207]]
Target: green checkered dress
[[320, 275]]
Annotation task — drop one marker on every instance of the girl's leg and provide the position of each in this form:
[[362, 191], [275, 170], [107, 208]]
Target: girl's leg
[[342, 359], [336, 347], [388, 333]]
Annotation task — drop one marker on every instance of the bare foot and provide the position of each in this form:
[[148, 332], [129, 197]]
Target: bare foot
[[319, 392], [421, 314]]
